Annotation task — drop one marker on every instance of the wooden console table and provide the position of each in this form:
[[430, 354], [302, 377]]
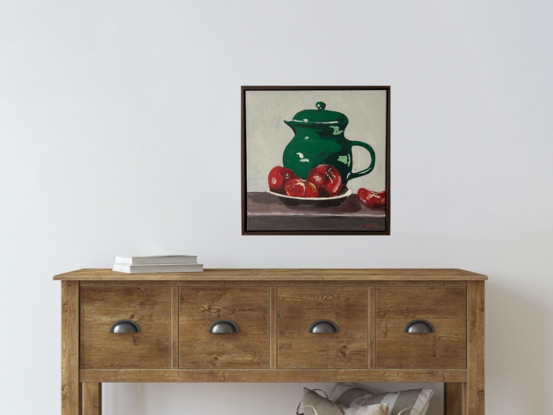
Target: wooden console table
[[271, 325]]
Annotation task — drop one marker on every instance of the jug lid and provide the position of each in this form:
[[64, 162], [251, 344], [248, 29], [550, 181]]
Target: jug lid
[[320, 116]]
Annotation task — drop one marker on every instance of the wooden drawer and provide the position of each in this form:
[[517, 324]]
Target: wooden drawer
[[248, 308], [444, 307], [150, 308], [298, 308]]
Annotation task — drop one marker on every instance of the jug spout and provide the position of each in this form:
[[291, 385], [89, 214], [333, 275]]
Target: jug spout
[[291, 124]]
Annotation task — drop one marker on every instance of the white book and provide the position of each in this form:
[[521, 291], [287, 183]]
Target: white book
[[157, 268], [160, 259]]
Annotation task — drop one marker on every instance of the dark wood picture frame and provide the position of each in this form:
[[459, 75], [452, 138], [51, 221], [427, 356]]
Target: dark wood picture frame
[[245, 231]]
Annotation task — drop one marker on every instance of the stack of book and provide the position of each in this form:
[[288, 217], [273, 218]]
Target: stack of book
[[155, 264]]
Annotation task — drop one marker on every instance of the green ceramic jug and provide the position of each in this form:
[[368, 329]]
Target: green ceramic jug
[[319, 139]]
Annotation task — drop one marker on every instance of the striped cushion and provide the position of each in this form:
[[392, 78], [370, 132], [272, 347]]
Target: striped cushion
[[378, 409], [345, 393], [351, 395], [325, 406]]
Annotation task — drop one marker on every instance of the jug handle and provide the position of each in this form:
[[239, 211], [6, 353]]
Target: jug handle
[[373, 159]]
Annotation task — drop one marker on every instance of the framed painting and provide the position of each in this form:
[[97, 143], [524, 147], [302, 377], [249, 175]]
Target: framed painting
[[316, 160]]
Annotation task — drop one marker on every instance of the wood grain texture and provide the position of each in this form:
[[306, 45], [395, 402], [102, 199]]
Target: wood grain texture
[[70, 386], [298, 308], [274, 328], [268, 283], [272, 375], [247, 307], [372, 327], [175, 327], [475, 388], [390, 300], [149, 307], [280, 275], [453, 398], [444, 307], [92, 398]]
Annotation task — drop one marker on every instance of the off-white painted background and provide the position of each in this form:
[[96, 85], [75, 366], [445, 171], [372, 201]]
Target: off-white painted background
[[267, 135], [120, 133]]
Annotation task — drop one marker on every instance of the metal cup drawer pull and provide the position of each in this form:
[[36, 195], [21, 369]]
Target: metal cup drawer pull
[[419, 327], [124, 327], [323, 327], [223, 327]]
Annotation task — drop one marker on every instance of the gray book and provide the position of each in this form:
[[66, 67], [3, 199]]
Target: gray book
[[159, 259], [157, 268]]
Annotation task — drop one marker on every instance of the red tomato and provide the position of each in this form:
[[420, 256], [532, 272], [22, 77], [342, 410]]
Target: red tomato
[[327, 179], [278, 177], [376, 200], [301, 188]]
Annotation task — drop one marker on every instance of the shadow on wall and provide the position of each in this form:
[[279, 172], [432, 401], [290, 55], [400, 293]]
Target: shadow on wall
[[517, 337], [122, 399], [229, 398]]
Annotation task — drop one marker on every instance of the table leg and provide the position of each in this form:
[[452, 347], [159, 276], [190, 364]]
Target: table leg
[[70, 386], [475, 386], [453, 398], [92, 398]]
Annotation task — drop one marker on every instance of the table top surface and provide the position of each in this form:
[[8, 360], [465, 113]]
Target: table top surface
[[285, 274], [265, 212]]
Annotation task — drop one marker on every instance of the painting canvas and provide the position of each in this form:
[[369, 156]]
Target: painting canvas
[[316, 160]]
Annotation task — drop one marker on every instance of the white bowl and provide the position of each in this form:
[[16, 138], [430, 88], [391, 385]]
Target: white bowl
[[333, 201]]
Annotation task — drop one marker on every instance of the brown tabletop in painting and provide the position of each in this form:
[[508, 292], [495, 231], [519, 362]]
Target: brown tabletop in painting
[[266, 212]]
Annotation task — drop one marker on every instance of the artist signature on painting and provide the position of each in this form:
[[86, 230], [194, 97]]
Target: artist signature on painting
[[371, 226]]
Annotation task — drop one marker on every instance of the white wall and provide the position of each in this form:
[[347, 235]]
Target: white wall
[[108, 146]]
